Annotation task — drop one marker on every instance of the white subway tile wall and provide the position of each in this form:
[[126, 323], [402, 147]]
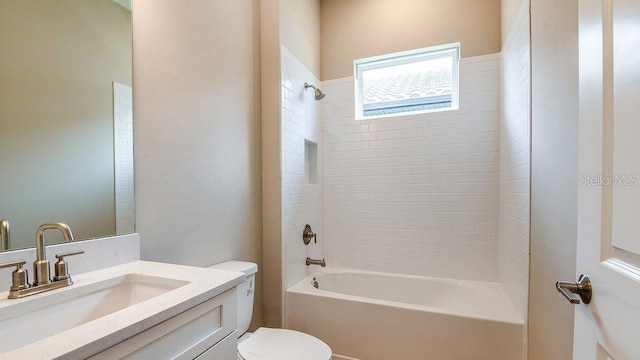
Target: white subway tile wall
[[123, 158], [301, 201], [415, 194], [515, 140]]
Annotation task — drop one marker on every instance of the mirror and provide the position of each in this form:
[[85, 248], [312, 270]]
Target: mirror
[[66, 139]]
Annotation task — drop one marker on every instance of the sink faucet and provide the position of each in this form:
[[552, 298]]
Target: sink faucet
[[5, 240], [20, 286], [41, 265]]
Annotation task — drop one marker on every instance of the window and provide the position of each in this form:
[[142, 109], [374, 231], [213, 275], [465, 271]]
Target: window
[[409, 82]]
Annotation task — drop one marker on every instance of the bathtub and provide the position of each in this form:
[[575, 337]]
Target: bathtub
[[378, 316]]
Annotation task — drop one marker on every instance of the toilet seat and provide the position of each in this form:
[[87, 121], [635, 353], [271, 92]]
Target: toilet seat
[[282, 344]]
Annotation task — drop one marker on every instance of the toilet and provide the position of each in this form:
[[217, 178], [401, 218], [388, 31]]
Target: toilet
[[268, 343]]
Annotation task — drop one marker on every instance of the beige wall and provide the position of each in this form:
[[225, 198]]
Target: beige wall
[[197, 132], [356, 29], [300, 31], [271, 179], [554, 191], [59, 59], [509, 12]]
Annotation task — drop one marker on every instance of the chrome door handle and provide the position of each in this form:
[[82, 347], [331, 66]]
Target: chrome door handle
[[582, 288]]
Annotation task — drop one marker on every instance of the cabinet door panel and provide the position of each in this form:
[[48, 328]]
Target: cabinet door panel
[[226, 349], [184, 336]]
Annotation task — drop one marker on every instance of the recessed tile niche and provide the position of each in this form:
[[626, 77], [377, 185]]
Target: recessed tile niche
[[310, 162]]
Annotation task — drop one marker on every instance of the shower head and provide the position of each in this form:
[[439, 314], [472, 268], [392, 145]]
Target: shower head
[[319, 94]]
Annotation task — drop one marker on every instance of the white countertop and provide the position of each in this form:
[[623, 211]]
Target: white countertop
[[97, 335]]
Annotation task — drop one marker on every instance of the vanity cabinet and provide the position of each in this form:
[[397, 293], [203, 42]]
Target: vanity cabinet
[[206, 331]]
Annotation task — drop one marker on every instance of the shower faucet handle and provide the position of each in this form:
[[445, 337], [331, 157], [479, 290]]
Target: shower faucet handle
[[308, 234]]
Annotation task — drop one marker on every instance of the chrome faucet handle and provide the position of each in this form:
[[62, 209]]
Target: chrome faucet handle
[[308, 234], [19, 277], [19, 264], [72, 253], [61, 268]]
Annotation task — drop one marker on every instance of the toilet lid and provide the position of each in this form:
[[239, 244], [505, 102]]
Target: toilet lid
[[282, 344]]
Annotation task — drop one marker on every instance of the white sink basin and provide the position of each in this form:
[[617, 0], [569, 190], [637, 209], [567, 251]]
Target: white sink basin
[[103, 308], [30, 322]]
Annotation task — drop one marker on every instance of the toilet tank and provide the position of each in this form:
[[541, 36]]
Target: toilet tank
[[245, 290]]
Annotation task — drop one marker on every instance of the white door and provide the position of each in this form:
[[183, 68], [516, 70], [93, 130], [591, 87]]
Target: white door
[[609, 191]]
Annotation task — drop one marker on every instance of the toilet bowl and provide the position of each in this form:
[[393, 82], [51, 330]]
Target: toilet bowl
[[282, 344], [268, 343]]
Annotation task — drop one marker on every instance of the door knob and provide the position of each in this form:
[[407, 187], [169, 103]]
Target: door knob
[[575, 291]]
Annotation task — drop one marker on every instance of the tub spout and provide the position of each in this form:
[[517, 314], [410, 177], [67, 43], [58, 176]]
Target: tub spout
[[311, 261]]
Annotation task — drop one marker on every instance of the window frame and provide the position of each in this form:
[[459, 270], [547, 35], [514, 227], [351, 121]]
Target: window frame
[[451, 50]]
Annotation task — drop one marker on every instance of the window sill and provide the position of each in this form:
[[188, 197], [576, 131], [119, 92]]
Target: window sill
[[359, 117]]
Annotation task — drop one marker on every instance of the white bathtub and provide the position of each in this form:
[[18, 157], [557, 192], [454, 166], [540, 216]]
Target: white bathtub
[[377, 316]]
